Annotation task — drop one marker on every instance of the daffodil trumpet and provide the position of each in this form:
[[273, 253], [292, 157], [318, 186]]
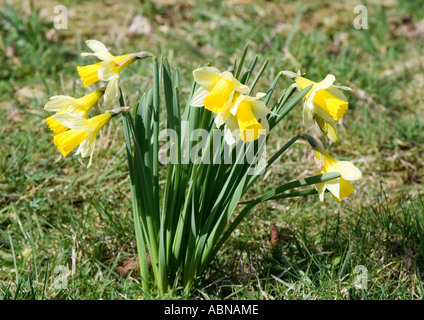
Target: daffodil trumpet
[[245, 117], [108, 69], [66, 105], [83, 133]]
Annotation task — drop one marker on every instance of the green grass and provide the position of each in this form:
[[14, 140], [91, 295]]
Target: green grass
[[55, 212]]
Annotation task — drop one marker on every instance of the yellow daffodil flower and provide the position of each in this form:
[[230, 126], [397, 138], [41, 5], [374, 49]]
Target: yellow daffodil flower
[[216, 89], [340, 188], [246, 116], [65, 105], [109, 69], [83, 133], [325, 103]]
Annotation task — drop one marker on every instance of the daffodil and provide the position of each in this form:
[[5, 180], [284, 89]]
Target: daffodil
[[108, 69], [65, 105], [246, 116], [324, 104], [340, 188], [83, 132], [216, 89]]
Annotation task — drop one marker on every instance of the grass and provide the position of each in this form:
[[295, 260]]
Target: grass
[[54, 212]]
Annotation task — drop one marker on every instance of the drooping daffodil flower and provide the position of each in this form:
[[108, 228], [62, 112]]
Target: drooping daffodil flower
[[108, 69], [83, 133], [65, 105], [340, 188], [324, 104]]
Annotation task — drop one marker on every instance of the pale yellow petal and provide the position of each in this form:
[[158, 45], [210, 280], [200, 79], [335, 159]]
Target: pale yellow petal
[[73, 122], [321, 190], [199, 96], [347, 170], [334, 187], [59, 103], [308, 117], [86, 148], [107, 71], [207, 77], [231, 130], [325, 84], [99, 49], [112, 90]]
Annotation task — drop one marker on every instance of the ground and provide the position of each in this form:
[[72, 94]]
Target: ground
[[55, 212]]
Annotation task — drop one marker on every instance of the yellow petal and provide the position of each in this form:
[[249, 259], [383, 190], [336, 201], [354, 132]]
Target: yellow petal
[[199, 97], [217, 99], [241, 88], [68, 140], [348, 170], [326, 83], [303, 82], [58, 103], [100, 50]]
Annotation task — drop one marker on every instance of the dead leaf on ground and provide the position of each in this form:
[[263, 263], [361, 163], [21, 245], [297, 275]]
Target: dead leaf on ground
[[139, 25], [400, 26], [23, 95], [130, 265]]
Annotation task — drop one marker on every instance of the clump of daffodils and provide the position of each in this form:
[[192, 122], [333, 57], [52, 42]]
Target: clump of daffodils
[[183, 225], [70, 124]]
